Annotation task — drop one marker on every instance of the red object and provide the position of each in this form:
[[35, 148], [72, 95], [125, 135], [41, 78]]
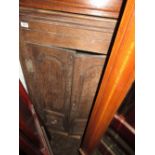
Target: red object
[[32, 138], [125, 130]]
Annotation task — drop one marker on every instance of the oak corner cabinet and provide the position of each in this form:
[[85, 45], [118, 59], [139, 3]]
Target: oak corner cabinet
[[63, 48]]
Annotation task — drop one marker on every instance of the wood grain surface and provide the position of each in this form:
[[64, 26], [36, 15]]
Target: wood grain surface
[[67, 31], [104, 8], [118, 78]]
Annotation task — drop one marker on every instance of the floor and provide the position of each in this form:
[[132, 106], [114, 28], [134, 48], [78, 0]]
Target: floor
[[63, 145]]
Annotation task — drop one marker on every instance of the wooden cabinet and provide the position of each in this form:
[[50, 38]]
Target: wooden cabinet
[[58, 80], [62, 54]]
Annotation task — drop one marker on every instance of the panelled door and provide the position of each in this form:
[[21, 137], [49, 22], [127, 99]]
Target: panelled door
[[62, 84], [87, 72], [48, 72]]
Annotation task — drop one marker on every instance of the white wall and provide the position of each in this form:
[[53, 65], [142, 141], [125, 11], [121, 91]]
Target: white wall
[[21, 77]]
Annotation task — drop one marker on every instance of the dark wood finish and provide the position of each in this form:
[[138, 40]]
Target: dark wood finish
[[87, 72], [58, 78], [104, 148], [104, 8], [130, 117], [118, 78], [67, 31], [112, 143], [26, 120], [127, 109], [32, 138], [27, 124], [48, 71], [125, 130], [61, 52], [27, 147]]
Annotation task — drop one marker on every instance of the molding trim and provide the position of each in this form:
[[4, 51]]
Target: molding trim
[[117, 80]]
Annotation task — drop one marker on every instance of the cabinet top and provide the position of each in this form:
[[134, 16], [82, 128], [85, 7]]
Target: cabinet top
[[102, 8]]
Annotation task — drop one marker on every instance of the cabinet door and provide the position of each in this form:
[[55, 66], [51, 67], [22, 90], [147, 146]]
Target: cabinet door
[[48, 72], [87, 72]]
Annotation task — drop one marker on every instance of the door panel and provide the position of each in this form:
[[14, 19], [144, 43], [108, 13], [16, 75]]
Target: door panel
[[87, 72], [55, 120], [62, 84], [48, 72]]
